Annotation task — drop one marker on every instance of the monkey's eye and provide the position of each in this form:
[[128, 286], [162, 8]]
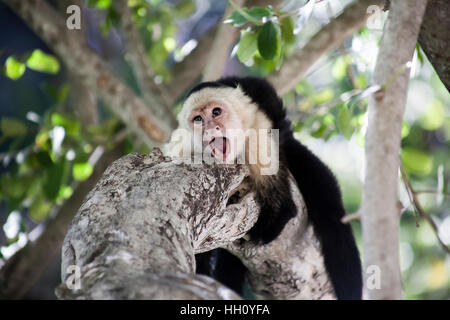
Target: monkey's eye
[[197, 119], [216, 112]]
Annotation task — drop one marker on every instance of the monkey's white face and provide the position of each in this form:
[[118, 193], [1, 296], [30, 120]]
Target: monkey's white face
[[217, 122], [218, 125]]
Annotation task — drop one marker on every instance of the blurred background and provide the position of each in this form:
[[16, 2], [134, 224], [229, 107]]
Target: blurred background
[[49, 144]]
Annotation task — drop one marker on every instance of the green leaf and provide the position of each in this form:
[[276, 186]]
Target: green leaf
[[42, 62], [419, 54], [40, 160], [434, 117], [247, 46], [339, 70], [12, 127], [12, 187], [417, 161], [323, 96], [269, 42], [405, 129], [243, 14], [304, 88], [185, 8], [82, 171], [53, 180], [345, 122], [100, 4], [68, 122], [14, 68], [287, 30], [259, 12], [236, 19], [65, 192], [39, 209]]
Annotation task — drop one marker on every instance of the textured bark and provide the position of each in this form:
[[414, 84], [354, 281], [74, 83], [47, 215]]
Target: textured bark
[[290, 267], [137, 232], [23, 269], [328, 38], [84, 63], [84, 101], [434, 37], [380, 218]]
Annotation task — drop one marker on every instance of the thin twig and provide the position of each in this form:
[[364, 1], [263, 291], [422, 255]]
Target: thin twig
[[419, 209]]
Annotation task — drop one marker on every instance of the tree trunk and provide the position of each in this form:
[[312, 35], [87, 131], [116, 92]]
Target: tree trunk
[[380, 219]]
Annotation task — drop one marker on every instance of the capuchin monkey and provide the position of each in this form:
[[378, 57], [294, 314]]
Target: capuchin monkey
[[234, 119]]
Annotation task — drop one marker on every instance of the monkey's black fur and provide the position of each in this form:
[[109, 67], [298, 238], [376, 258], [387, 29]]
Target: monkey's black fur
[[320, 192]]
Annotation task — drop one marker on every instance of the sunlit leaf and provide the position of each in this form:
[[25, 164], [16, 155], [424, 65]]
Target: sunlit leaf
[[100, 4], [345, 122], [248, 45], [169, 44], [67, 121], [323, 96], [43, 62], [405, 129], [82, 171], [339, 70], [65, 192], [14, 68], [439, 275], [417, 161], [304, 88], [287, 30], [39, 209], [434, 116], [42, 140]]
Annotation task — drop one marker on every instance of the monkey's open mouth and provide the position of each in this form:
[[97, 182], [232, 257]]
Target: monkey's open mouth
[[220, 147]]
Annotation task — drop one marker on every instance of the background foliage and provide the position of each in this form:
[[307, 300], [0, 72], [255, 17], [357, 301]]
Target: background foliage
[[45, 149]]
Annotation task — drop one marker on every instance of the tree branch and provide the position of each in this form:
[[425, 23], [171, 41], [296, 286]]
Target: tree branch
[[291, 266], [83, 62], [220, 52], [385, 112], [156, 97], [141, 225], [190, 69], [82, 98], [328, 38]]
